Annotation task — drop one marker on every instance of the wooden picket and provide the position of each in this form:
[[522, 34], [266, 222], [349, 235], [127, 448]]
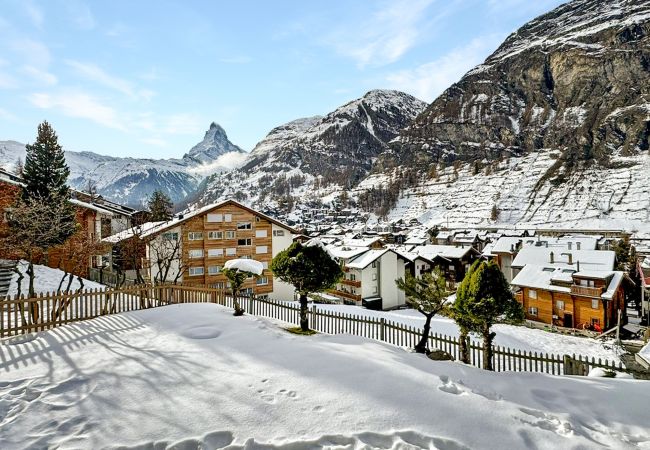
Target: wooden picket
[[22, 315]]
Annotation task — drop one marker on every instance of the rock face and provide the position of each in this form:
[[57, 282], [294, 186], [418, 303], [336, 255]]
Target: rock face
[[576, 80], [338, 149], [132, 180]]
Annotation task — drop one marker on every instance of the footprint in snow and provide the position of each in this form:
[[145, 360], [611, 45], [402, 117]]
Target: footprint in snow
[[450, 387]]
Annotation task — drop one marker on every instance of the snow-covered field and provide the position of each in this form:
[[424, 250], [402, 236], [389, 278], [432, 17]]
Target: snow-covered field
[[192, 376], [515, 337], [47, 280]]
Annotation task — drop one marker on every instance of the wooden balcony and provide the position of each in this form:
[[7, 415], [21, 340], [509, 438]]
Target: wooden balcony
[[586, 291], [343, 294], [355, 283]]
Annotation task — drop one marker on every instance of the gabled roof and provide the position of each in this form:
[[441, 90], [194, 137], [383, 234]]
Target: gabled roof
[[364, 260], [446, 251], [185, 216], [588, 259]]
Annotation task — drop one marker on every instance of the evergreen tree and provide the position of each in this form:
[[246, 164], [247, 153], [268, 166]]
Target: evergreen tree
[[309, 268], [428, 296], [486, 299], [45, 172], [160, 206], [45, 175], [461, 315]]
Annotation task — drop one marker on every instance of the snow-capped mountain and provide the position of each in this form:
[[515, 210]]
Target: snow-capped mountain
[[132, 180], [337, 150]]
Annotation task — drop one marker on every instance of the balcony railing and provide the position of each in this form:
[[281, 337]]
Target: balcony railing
[[344, 294], [586, 291], [355, 283]]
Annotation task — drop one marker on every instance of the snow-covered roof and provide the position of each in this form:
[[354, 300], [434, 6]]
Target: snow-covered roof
[[186, 215], [446, 251], [364, 260], [360, 242], [344, 252], [587, 259], [130, 232], [91, 206]]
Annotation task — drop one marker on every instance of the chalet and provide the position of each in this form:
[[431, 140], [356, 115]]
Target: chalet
[[370, 275], [453, 261], [193, 247]]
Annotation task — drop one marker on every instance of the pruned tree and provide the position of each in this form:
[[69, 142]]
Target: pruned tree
[[428, 295], [309, 268], [160, 206], [237, 271], [487, 299]]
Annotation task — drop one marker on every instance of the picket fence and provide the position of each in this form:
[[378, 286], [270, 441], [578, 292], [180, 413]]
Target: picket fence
[[48, 310]]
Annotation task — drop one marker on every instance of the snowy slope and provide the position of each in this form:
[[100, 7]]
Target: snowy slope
[[132, 180], [46, 280], [193, 376]]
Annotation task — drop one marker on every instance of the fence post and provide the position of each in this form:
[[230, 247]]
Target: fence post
[[313, 317], [382, 329]]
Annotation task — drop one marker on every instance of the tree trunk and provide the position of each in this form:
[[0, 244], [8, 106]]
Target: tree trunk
[[30, 273], [487, 348], [238, 309], [422, 345], [304, 317], [463, 349]]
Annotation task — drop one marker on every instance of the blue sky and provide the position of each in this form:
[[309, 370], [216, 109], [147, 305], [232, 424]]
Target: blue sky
[[145, 78]]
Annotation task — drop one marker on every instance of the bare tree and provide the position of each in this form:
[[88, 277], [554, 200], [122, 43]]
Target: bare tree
[[166, 256]]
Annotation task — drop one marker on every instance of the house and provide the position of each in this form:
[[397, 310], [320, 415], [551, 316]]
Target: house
[[572, 298], [370, 275], [452, 260], [193, 247]]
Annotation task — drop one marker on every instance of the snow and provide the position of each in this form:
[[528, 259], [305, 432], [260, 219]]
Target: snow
[[245, 265], [46, 280], [362, 261], [192, 376]]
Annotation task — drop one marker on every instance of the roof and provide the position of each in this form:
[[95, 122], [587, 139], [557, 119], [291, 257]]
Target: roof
[[364, 260], [344, 252], [91, 206], [588, 259], [187, 215], [446, 251], [130, 232]]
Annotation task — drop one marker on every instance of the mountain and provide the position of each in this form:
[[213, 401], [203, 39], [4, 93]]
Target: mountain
[[132, 180], [574, 79], [337, 150]]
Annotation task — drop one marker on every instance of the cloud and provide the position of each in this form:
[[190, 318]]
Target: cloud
[[98, 75], [35, 14], [429, 80], [385, 36], [41, 76], [182, 123], [79, 104], [34, 53]]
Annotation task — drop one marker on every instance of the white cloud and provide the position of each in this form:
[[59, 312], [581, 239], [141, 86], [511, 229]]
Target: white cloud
[[79, 104], [429, 80], [98, 75], [35, 14], [385, 36], [42, 76]]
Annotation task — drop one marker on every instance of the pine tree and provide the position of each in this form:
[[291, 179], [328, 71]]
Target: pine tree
[[309, 269], [160, 206], [45, 172]]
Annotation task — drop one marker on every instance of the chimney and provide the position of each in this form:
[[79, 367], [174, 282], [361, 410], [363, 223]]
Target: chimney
[[552, 257], [569, 244], [577, 245]]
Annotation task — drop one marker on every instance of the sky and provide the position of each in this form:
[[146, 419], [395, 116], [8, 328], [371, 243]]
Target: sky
[[146, 79]]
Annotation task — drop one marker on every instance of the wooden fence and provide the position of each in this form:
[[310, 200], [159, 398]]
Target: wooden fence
[[46, 311]]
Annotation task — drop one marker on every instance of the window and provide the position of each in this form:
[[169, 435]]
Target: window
[[278, 233], [559, 305], [257, 219], [214, 270], [246, 242], [230, 234], [170, 236], [215, 252], [265, 264], [587, 283], [261, 249], [215, 218], [196, 253], [227, 217], [231, 251], [374, 276], [374, 264], [595, 321], [452, 267], [532, 293], [353, 277], [215, 234], [260, 233], [262, 281], [594, 304], [194, 271], [374, 289], [246, 257], [195, 235], [244, 226], [532, 311]]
